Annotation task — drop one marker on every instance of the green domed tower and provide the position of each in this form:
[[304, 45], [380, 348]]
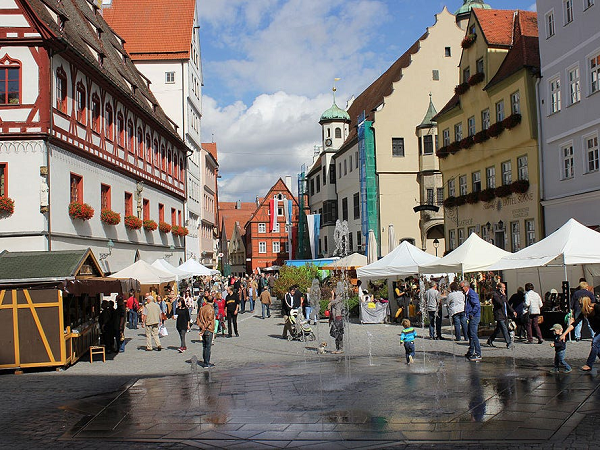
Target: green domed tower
[[335, 123], [465, 10]]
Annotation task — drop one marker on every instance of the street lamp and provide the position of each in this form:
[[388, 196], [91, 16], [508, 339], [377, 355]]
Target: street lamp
[[436, 244], [110, 244], [171, 247]]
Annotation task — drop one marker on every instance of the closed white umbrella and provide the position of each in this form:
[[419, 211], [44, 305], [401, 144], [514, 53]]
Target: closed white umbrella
[[391, 238], [372, 244]]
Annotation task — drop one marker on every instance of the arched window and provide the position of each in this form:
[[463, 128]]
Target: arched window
[[148, 151], [96, 113], [61, 90], [338, 133], [163, 158], [169, 162], [156, 155], [108, 122], [140, 143], [130, 136], [181, 169], [10, 81], [120, 130], [175, 166], [80, 99]]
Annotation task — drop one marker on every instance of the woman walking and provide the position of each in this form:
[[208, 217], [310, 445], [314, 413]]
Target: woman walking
[[336, 317], [183, 323], [456, 309], [591, 312]]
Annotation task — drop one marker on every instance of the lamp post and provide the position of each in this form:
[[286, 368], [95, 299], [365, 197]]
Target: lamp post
[[436, 244], [110, 244]]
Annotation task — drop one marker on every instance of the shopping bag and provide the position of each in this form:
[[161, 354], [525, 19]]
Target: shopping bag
[[162, 331]]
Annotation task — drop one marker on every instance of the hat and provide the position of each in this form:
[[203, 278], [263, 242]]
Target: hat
[[553, 291], [150, 298], [556, 327]]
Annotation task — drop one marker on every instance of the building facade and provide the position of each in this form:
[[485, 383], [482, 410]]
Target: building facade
[[232, 244], [488, 134], [165, 47], [569, 101], [209, 168], [81, 128]]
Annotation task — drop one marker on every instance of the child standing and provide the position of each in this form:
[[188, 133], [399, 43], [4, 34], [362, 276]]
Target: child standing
[[560, 347], [407, 337]]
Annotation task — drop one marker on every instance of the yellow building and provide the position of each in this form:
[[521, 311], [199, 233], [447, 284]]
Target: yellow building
[[488, 134]]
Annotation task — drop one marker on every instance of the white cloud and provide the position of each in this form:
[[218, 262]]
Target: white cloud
[[533, 7]]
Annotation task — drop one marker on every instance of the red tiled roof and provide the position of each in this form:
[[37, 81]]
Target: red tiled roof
[[496, 25], [211, 147], [153, 30], [279, 186], [229, 215]]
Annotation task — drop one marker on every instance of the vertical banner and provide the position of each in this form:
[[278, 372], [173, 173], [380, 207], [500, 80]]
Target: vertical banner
[[310, 219], [272, 216], [287, 211], [317, 234]]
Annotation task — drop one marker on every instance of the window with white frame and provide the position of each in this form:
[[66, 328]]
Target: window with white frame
[[276, 247], [550, 25], [594, 73], [568, 11], [262, 227], [439, 194], [500, 111], [462, 185], [485, 119], [476, 180], [397, 147], [490, 177], [515, 103], [452, 188], [458, 132], [479, 65], [262, 247], [588, 4], [485, 233], [429, 196], [522, 168], [276, 227], [567, 153], [169, 77], [515, 236], [446, 137], [452, 239], [554, 86], [428, 144], [470, 231], [461, 236], [529, 232], [574, 85], [506, 172], [591, 145], [471, 125]]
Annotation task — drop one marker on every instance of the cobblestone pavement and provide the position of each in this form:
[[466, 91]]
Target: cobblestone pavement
[[266, 392]]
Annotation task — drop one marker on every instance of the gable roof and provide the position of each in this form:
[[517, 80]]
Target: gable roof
[[153, 30], [211, 147], [496, 25], [278, 186], [230, 214], [87, 34]]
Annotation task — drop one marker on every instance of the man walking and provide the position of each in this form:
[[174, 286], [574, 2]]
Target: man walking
[[433, 301], [502, 312], [286, 307], [265, 300], [206, 322], [473, 312], [231, 311], [132, 310], [151, 321]]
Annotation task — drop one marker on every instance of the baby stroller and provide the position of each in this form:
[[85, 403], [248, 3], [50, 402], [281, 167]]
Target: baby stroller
[[301, 330]]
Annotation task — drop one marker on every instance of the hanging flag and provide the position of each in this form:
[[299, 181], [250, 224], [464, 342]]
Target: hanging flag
[[317, 233], [310, 220], [274, 214]]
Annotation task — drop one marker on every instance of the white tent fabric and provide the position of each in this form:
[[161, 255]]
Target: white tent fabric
[[404, 260], [372, 247], [350, 261], [145, 273], [571, 244], [195, 268], [163, 264], [473, 255], [391, 238]]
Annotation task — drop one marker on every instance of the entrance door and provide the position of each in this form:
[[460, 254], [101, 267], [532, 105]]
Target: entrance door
[[500, 239]]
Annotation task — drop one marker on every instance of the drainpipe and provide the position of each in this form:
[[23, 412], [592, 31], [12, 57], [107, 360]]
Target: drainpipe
[[540, 155], [51, 122]]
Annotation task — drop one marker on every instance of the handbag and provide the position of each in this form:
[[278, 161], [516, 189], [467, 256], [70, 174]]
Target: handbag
[[540, 319], [162, 331], [512, 325]]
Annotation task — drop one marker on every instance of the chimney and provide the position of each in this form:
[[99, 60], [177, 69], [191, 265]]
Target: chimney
[[288, 182], [257, 201], [238, 204]]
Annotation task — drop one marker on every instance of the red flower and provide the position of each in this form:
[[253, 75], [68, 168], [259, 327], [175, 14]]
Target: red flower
[[519, 186], [461, 88], [179, 231], [511, 121], [495, 129], [81, 211], [110, 217], [480, 137], [467, 142], [7, 205], [442, 152], [476, 78], [133, 222], [473, 197], [150, 225], [487, 195], [503, 191], [468, 40], [450, 202], [164, 227]]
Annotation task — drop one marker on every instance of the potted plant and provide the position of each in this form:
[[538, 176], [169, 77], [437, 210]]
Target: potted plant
[[503, 191], [468, 40], [133, 222], [495, 129], [511, 121], [467, 142], [82, 211], [487, 195], [461, 200], [461, 88], [179, 231], [150, 225], [480, 137], [164, 227], [450, 202], [110, 217], [7, 206], [473, 197], [442, 152], [454, 147], [476, 78], [519, 186]]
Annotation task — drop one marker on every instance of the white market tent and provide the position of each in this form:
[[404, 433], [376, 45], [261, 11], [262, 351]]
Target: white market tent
[[404, 260], [145, 273], [347, 262], [163, 264], [193, 267], [473, 255]]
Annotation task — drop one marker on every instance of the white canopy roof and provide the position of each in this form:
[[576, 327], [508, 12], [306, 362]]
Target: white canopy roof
[[473, 255], [571, 244], [145, 273], [350, 261], [163, 264], [193, 267], [402, 261]]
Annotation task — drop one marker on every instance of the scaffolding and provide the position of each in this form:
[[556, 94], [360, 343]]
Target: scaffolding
[[368, 180]]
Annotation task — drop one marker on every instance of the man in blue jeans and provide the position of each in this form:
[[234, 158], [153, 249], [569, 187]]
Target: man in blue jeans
[[473, 312]]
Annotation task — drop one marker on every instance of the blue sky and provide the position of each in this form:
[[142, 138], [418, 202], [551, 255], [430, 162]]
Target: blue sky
[[269, 66]]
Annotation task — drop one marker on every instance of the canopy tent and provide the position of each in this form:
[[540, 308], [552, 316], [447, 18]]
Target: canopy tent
[[352, 261], [145, 273], [163, 264], [404, 260], [193, 267], [473, 255]]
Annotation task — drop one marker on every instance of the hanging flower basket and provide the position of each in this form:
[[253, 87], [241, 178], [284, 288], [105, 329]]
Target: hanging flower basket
[[473, 197], [468, 40], [179, 231], [487, 195], [511, 121], [133, 222], [519, 186], [7, 206], [150, 225], [495, 129], [461, 88], [450, 202], [476, 78], [503, 191], [442, 152], [110, 217], [81, 211], [461, 200], [454, 147], [164, 227], [467, 142], [480, 137]]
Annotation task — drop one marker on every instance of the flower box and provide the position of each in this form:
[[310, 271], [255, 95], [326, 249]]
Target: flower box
[[495, 129], [179, 231], [476, 78], [454, 147], [487, 195], [7, 206], [164, 227], [503, 191], [81, 211], [473, 197], [461, 88], [110, 217], [150, 225], [468, 40], [133, 222], [461, 200], [450, 202], [480, 137], [519, 186], [511, 121], [467, 142], [442, 152]]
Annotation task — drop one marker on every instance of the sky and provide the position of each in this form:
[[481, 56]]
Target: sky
[[269, 67]]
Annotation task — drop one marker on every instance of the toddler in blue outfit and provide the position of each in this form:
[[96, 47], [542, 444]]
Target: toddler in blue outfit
[[407, 337]]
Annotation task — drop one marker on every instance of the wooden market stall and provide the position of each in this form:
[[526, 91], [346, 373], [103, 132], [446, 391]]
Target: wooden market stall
[[49, 306]]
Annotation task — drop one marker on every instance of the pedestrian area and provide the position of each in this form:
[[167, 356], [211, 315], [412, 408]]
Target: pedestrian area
[[344, 402]]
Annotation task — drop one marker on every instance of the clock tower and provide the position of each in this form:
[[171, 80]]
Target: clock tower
[[335, 124]]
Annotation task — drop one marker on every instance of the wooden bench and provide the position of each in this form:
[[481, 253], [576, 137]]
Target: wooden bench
[[97, 350]]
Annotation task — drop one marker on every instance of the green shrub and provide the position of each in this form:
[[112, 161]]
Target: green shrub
[[289, 276], [353, 305]]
